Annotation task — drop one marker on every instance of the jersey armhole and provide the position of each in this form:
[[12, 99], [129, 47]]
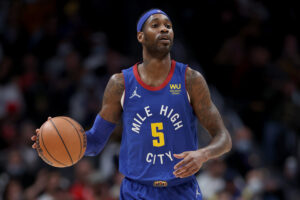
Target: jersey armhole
[[122, 101], [187, 93], [188, 96]]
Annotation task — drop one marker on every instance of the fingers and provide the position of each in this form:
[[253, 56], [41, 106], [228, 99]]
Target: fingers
[[187, 166], [178, 172], [34, 146], [184, 168], [33, 138], [181, 163], [181, 155], [187, 172]]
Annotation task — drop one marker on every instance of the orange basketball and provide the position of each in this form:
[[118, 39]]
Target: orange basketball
[[61, 142]]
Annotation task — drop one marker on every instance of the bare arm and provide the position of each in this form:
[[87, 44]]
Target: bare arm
[[111, 106], [208, 114], [210, 118]]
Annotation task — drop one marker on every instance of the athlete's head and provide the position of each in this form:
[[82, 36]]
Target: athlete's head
[[155, 32]]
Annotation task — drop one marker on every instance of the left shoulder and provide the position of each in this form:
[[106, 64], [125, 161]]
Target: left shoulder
[[193, 77], [196, 87]]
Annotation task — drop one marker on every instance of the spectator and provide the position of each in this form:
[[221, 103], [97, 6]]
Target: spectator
[[212, 178], [56, 57], [81, 189], [13, 190]]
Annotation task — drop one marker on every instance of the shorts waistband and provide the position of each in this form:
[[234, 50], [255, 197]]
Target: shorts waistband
[[163, 183]]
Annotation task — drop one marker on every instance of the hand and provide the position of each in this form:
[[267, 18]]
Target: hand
[[191, 163], [34, 137]]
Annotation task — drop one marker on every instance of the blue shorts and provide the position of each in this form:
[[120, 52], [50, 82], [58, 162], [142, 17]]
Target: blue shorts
[[133, 190]]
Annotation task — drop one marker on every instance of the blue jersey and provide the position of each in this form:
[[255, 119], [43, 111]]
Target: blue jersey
[[157, 122]]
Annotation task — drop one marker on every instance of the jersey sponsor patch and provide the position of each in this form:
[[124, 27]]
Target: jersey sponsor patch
[[175, 89]]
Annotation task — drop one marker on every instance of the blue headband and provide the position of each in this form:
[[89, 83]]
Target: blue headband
[[144, 18]]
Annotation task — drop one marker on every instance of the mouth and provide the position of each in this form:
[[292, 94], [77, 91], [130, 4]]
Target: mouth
[[164, 38]]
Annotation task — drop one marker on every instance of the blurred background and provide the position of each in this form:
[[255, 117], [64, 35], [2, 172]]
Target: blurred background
[[57, 56]]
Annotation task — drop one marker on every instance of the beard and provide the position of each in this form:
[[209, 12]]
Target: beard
[[157, 48]]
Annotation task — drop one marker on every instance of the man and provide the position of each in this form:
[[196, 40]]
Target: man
[[159, 101]]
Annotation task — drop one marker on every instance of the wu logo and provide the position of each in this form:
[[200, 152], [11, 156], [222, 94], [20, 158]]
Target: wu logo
[[135, 94], [175, 86]]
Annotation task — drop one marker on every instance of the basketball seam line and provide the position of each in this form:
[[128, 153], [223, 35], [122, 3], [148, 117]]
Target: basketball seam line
[[61, 140], [47, 149], [77, 134]]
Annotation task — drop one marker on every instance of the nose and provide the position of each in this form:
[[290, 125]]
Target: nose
[[164, 29]]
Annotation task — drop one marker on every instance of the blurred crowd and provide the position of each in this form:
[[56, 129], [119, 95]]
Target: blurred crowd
[[57, 56]]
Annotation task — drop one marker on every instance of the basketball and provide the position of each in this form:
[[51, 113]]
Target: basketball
[[61, 142]]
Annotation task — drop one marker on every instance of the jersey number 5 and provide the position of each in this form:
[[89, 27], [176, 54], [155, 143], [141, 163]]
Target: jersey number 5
[[155, 127]]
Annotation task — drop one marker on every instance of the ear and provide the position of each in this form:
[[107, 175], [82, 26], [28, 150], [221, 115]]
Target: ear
[[140, 37]]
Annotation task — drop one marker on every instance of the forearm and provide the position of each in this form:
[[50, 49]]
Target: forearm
[[219, 145], [109, 115], [208, 115], [98, 136], [212, 121]]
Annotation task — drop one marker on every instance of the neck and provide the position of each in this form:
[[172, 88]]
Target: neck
[[156, 64], [154, 71]]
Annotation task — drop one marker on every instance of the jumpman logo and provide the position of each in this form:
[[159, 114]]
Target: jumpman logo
[[134, 94]]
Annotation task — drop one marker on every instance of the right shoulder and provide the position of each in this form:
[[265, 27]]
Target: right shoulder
[[116, 85], [111, 106], [117, 76], [117, 79]]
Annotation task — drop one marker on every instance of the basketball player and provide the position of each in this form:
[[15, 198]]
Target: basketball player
[[159, 101]]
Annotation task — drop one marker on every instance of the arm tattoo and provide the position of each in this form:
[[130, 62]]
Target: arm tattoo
[[111, 106], [207, 113], [114, 89], [200, 98]]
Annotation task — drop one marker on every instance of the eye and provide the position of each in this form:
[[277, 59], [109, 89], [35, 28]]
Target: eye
[[154, 25], [168, 26]]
